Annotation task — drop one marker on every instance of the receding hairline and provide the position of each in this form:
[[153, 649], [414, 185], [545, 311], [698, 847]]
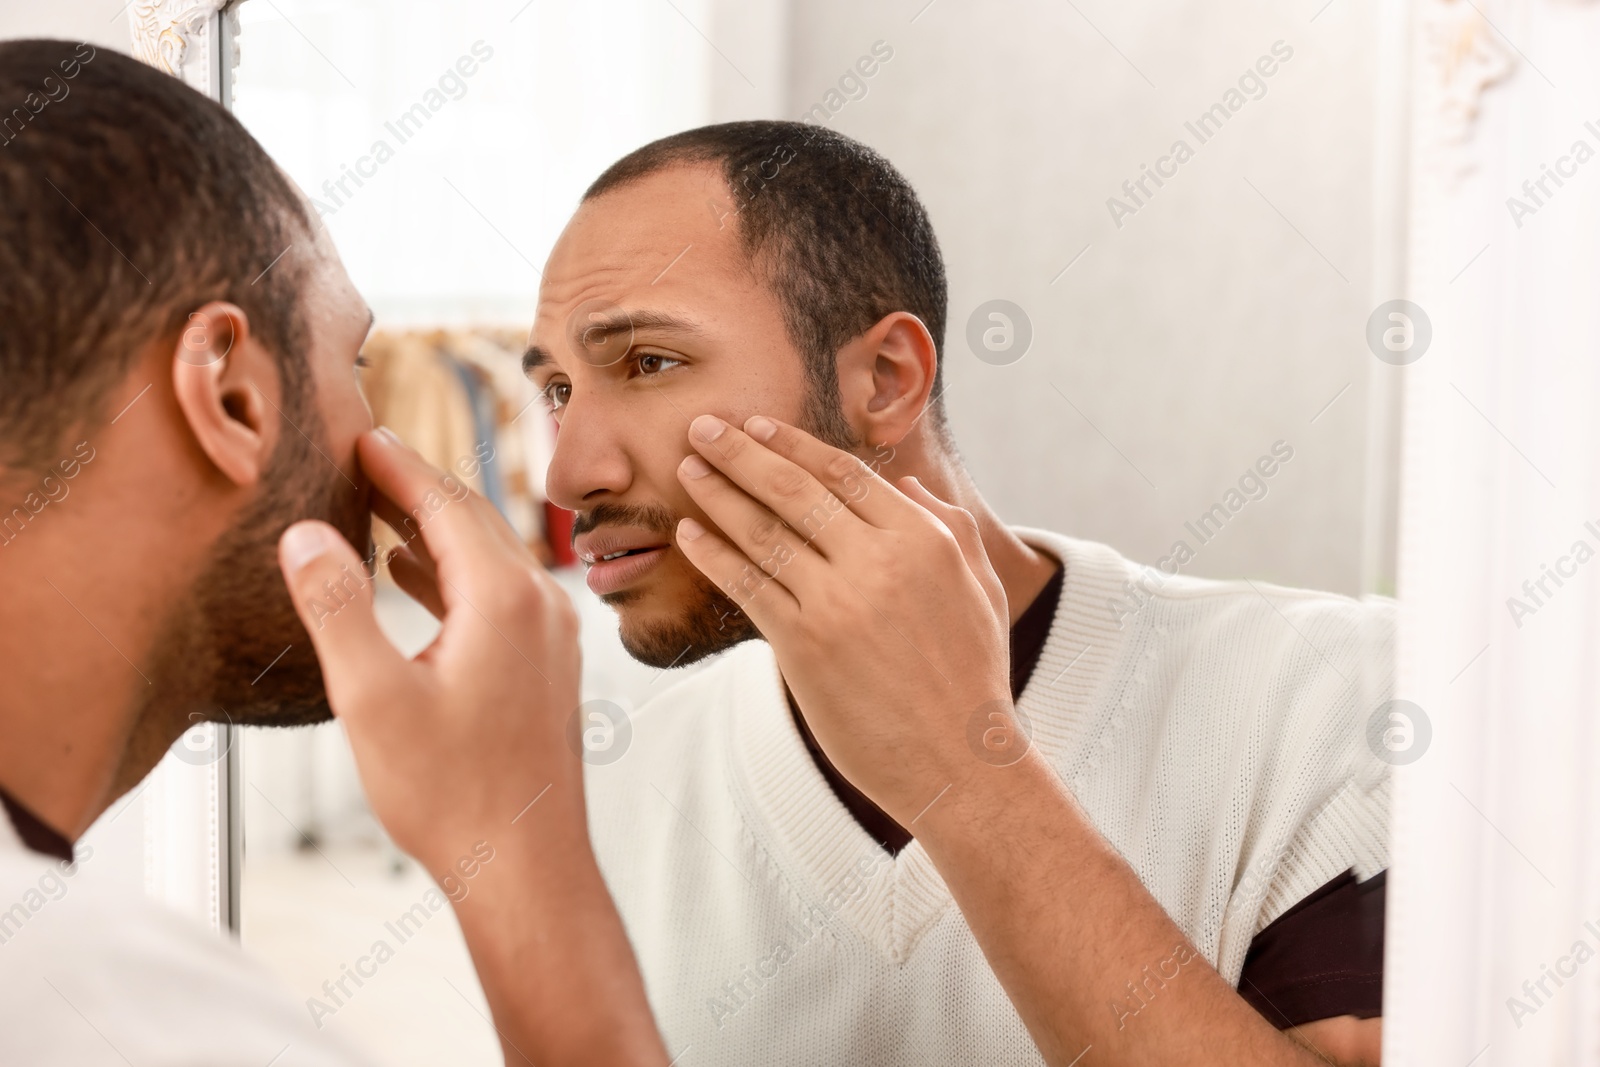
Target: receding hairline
[[650, 161], [826, 222], [684, 160], [709, 166]]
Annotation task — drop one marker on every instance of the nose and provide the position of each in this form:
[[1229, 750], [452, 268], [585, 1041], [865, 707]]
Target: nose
[[590, 462]]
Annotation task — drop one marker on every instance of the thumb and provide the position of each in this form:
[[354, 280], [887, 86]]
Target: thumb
[[333, 596]]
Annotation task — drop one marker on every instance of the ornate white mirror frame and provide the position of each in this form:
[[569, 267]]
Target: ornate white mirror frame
[[1494, 874], [196, 41], [193, 841]]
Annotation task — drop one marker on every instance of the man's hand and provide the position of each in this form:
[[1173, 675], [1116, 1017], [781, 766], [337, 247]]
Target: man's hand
[[452, 744], [463, 749], [887, 620]]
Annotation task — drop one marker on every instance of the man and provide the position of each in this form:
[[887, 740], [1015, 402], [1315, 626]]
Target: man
[[981, 794], [178, 345]]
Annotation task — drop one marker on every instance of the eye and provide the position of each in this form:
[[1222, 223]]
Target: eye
[[556, 394], [654, 363]]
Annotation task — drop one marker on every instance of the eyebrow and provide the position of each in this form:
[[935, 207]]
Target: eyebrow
[[604, 327]]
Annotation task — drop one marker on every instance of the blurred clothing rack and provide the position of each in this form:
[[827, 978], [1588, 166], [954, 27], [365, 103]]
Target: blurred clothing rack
[[459, 397]]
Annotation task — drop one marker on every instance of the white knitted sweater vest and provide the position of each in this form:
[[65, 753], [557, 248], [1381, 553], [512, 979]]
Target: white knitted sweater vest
[[1215, 732]]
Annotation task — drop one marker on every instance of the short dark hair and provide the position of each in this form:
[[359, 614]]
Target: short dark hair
[[839, 233], [130, 200]]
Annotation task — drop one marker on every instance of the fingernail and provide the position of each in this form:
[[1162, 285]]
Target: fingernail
[[708, 427], [389, 435], [760, 427], [694, 466], [689, 530], [302, 543]]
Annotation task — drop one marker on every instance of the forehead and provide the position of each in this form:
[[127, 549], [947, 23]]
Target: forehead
[[667, 242], [327, 294], [330, 298]]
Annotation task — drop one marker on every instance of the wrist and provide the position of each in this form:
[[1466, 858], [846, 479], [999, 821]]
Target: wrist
[[985, 805], [549, 817], [968, 753], [537, 880], [552, 956]]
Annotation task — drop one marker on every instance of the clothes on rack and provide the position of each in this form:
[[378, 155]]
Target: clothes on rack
[[460, 399]]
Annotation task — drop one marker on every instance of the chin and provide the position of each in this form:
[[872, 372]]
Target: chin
[[676, 623]]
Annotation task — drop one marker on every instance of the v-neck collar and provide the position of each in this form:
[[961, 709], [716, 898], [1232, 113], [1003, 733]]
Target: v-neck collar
[[818, 846]]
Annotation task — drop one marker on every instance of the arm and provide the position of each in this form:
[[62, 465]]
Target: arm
[[464, 748], [1346, 1040], [551, 955], [1112, 970], [889, 626]]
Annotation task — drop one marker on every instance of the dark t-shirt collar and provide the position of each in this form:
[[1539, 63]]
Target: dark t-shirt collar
[[34, 833]]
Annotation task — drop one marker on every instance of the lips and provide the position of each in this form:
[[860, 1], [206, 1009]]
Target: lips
[[596, 545], [618, 557]]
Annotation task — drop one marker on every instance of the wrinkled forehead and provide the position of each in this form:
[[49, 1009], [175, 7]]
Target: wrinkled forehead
[[668, 240]]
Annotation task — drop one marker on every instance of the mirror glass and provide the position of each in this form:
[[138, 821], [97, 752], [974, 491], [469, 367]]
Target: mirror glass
[[1163, 249]]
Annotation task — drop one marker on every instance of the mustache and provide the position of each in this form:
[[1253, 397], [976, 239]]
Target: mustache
[[648, 516]]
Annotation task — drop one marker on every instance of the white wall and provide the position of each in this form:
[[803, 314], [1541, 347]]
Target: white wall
[[1198, 333], [1205, 328], [457, 212], [103, 23]]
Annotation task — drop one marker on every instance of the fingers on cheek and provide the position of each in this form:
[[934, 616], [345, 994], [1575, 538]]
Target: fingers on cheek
[[708, 552], [706, 485]]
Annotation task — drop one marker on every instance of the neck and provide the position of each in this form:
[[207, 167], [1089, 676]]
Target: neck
[[87, 592], [65, 669]]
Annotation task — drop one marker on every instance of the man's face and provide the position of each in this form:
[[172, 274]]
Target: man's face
[[649, 315], [243, 649]]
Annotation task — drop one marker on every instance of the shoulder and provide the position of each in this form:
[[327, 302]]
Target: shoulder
[[1246, 623], [1276, 684], [152, 986], [1245, 709]]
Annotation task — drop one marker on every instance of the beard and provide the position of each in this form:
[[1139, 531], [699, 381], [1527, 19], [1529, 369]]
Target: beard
[[236, 651], [709, 620]]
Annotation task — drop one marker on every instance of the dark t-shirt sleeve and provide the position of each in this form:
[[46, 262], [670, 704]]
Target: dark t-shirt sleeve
[[1322, 958]]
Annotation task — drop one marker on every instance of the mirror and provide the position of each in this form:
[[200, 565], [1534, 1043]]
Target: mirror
[[1165, 235]]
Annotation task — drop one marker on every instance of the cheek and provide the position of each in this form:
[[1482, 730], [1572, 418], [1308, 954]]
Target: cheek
[[664, 473], [346, 416], [355, 414]]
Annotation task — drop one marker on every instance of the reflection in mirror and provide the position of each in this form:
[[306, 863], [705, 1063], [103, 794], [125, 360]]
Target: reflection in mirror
[[1114, 299]]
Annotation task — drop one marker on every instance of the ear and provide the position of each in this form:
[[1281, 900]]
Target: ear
[[226, 384], [886, 378]]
